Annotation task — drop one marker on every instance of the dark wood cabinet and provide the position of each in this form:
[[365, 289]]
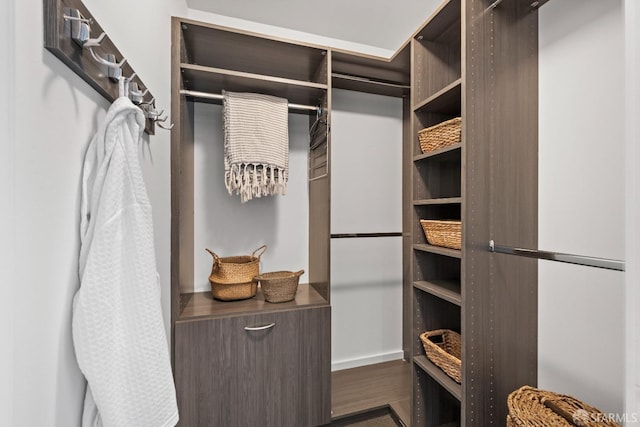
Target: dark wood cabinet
[[274, 375]]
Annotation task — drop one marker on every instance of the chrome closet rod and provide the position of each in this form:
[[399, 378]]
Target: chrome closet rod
[[609, 264], [358, 235], [207, 95]]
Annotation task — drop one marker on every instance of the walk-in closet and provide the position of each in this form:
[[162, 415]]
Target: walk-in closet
[[361, 213], [374, 282]]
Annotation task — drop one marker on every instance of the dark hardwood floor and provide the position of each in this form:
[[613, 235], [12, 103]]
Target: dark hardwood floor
[[369, 388]]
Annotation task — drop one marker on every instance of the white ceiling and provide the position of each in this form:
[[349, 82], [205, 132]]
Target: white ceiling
[[381, 23]]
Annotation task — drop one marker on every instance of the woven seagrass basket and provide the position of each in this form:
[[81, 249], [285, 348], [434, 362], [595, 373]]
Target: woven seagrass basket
[[447, 234], [443, 348], [233, 291], [530, 407], [440, 135], [232, 277], [279, 286]]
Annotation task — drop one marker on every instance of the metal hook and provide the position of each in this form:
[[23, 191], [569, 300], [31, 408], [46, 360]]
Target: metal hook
[[165, 127], [135, 94], [77, 18], [88, 42], [105, 62]]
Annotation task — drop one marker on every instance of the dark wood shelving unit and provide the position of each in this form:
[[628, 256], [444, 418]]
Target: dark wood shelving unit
[[217, 349], [466, 60]]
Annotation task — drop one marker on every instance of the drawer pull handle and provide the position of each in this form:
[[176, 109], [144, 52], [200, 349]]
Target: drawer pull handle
[[259, 328]]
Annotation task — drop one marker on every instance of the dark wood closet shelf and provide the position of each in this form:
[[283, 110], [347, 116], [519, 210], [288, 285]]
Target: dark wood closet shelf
[[232, 49], [358, 84], [448, 290], [366, 388], [443, 154], [202, 305], [438, 201], [392, 70], [453, 253], [215, 80], [445, 101], [438, 374], [443, 25]]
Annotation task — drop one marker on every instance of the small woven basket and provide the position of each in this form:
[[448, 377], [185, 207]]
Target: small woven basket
[[529, 406], [447, 234], [232, 277], [233, 291], [441, 135], [279, 286], [443, 348], [236, 269]]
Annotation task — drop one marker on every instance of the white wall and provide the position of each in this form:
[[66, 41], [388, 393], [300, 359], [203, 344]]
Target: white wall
[[366, 197], [229, 227], [632, 49], [582, 199], [7, 211], [55, 116]]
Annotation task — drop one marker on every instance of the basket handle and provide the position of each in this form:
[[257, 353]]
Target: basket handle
[[213, 254], [263, 247], [558, 410], [298, 273]]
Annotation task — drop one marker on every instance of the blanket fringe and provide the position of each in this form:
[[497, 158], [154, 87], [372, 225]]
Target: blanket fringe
[[250, 180]]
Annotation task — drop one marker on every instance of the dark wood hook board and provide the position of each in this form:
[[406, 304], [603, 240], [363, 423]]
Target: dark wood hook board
[[57, 39]]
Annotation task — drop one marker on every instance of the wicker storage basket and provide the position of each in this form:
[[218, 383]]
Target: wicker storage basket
[[441, 135], [236, 269], [443, 348], [232, 277], [279, 286], [529, 406], [447, 234], [233, 291]]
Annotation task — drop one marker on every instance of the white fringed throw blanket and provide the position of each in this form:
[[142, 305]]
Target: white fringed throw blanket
[[256, 144]]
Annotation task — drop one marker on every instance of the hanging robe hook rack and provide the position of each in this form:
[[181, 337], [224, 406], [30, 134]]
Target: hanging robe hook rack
[[68, 25]]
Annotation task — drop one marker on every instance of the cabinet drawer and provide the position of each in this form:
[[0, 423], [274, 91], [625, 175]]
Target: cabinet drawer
[[258, 370]]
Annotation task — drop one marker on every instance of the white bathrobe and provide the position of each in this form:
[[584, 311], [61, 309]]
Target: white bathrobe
[[118, 329]]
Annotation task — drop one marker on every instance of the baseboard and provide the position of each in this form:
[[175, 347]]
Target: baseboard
[[368, 360]]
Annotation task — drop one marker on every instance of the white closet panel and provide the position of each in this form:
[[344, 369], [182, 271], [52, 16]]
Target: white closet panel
[[366, 301], [366, 163], [229, 227], [581, 333], [366, 197], [582, 199]]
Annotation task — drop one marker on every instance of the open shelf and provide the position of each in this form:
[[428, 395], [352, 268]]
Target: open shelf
[[453, 253], [440, 22], [438, 374], [448, 290], [221, 47], [446, 101], [202, 304], [438, 201], [215, 80], [443, 154]]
